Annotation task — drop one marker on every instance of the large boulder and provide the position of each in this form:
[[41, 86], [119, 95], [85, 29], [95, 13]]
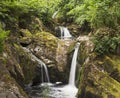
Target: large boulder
[[52, 51], [99, 75], [17, 70], [99, 82]]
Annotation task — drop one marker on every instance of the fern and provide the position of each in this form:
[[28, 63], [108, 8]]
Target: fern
[[3, 36]]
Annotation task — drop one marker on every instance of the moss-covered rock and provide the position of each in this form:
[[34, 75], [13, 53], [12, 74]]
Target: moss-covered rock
[[46, 38], [44, 45], [28, 66], [97, 84], [25, 33], [24, 41], [111, 65], [100, 75], [52, 51], [17, 69], [8, 85]]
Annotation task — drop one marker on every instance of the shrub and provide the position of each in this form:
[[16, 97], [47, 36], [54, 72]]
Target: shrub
[[106, 41]]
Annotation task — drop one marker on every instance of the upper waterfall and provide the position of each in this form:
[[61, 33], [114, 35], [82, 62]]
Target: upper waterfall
[[54, 14], [64, 32], [73, 66]]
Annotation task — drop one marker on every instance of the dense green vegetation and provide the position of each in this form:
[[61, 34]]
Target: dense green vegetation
[[92, 14], [3, 36], [106, 40], [96, 14]]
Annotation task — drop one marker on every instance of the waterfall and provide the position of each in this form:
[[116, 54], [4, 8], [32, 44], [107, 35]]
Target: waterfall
[[64, 32], [40, 64], [73, 66], [54, 14]]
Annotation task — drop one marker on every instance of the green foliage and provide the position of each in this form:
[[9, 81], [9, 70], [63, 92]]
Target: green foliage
[[3, 36], [106, 40], [12, 10], [97, 13], [64, 7]]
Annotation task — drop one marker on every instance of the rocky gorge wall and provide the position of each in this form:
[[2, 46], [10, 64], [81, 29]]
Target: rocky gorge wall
[[99, 76]]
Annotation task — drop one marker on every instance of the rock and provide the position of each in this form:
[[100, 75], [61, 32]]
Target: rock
[[99, 76], [75, 30], [111, 65], [53, 52], [17, 69], [45, 45], [32, 23], [62, 54], [97, 84], [24, 41], [8, 86], [25, 33], [118, 50]]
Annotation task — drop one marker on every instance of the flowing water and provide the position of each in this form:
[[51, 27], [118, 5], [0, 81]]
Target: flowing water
[[49, 90], [64, 32], [73, 66], [42, 65], [54, 15]]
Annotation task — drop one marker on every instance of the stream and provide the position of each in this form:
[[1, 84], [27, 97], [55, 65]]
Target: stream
[[55, 90]]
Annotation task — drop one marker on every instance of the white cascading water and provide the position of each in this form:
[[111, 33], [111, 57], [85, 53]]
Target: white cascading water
[[54, 15], [64, 32], [73, 66], [41, 64]]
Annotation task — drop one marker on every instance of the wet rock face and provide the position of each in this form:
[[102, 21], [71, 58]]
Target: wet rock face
[[57, 32], [44, 46], [51, 50]]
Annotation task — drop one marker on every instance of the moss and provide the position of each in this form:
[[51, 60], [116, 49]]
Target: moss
[[71, 47], [82, 55], [28, 66], [16, 46], [22, 91], [103, 84], [3, 60], [26, 33], [113, 61], [9, 81], [46, 39], [95, 81], [110, 64]]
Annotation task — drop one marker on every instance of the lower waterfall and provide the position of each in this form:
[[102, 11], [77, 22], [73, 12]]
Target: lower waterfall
[[53, 90], [73, 66], [42, 65]]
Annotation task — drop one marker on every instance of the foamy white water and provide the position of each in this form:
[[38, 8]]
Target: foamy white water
[[73, 66], [64, 32]]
